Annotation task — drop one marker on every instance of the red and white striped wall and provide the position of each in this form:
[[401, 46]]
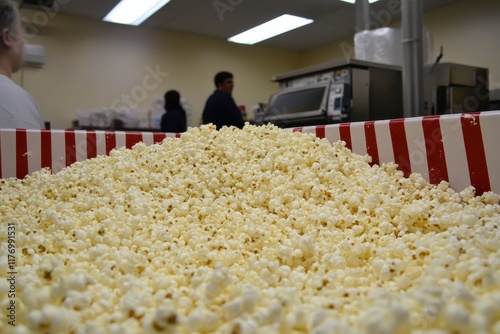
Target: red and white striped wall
[[25, 151], [463, 149]]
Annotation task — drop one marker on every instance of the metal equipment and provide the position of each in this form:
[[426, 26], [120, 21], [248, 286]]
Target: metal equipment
[[455, 88], [348, 90]]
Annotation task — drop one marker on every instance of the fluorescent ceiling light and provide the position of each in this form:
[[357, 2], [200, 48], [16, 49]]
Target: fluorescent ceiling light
[[134, 12], [354, 1], [270, 29]]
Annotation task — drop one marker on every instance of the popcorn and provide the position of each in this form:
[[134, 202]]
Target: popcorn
[[259, 230]]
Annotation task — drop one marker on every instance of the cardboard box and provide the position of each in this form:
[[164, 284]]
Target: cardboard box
[[463, 149]]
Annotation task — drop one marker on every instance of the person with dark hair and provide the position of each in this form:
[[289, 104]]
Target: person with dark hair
[[174, 118], [220, 108], [18, 109]]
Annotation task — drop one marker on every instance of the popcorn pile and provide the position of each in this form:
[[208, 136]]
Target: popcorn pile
[[259, 230]]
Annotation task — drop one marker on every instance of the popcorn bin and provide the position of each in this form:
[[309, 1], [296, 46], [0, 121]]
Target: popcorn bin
[[25, 151], [460, 149], [291, 234]]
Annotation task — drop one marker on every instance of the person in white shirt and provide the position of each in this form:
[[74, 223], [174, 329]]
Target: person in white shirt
[[18, 109]]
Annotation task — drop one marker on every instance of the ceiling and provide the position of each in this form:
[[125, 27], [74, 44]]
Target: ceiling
[[333, 19]]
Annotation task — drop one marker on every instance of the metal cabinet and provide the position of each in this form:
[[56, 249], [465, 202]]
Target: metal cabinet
[[454, 88], [358, 91]]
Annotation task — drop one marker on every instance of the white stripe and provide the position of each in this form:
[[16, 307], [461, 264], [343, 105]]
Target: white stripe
[[384, 142], [100, 138], [58, 151], [147, 138], [8, 151], [120, 139], [358, 138], [81, 145], [490, 128], [332, 133], [416, 146], [34, 143], [309, 129], [454, 148]]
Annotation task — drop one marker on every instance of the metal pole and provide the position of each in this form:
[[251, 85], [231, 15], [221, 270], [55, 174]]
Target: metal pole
[[362, 15], [413, 57]]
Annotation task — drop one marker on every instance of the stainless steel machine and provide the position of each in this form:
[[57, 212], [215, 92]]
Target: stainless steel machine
[[341, 91], [454, 88]]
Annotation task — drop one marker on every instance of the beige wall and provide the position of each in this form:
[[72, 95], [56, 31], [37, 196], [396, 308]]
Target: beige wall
[[468, 31], [92, 64]]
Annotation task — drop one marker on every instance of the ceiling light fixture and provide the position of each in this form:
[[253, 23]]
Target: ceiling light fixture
[[354, 1], [277, 26], [134, 12]]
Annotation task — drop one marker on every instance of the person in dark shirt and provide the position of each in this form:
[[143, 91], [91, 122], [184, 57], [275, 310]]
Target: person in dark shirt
[[174, 118], [220, 108]]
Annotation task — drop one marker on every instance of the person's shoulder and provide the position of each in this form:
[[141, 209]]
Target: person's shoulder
[[7, 83], [18, 97], [224, 96], [215, 94], [172, 113], [10, 87]]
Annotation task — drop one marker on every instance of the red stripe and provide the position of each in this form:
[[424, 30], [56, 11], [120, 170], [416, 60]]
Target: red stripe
[[158, 137], [297, 129], [345, 134], [371, 142], [400, 145], [46, 148], [177, 135], [476, 157], [91, 144], [320, 131], [132, 138], [110, 141], [21, 154], [70, 144], [436, 159]]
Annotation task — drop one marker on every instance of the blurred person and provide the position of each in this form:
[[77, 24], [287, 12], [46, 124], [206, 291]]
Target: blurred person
[[220, 107], [174, 118], [18, 109]]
